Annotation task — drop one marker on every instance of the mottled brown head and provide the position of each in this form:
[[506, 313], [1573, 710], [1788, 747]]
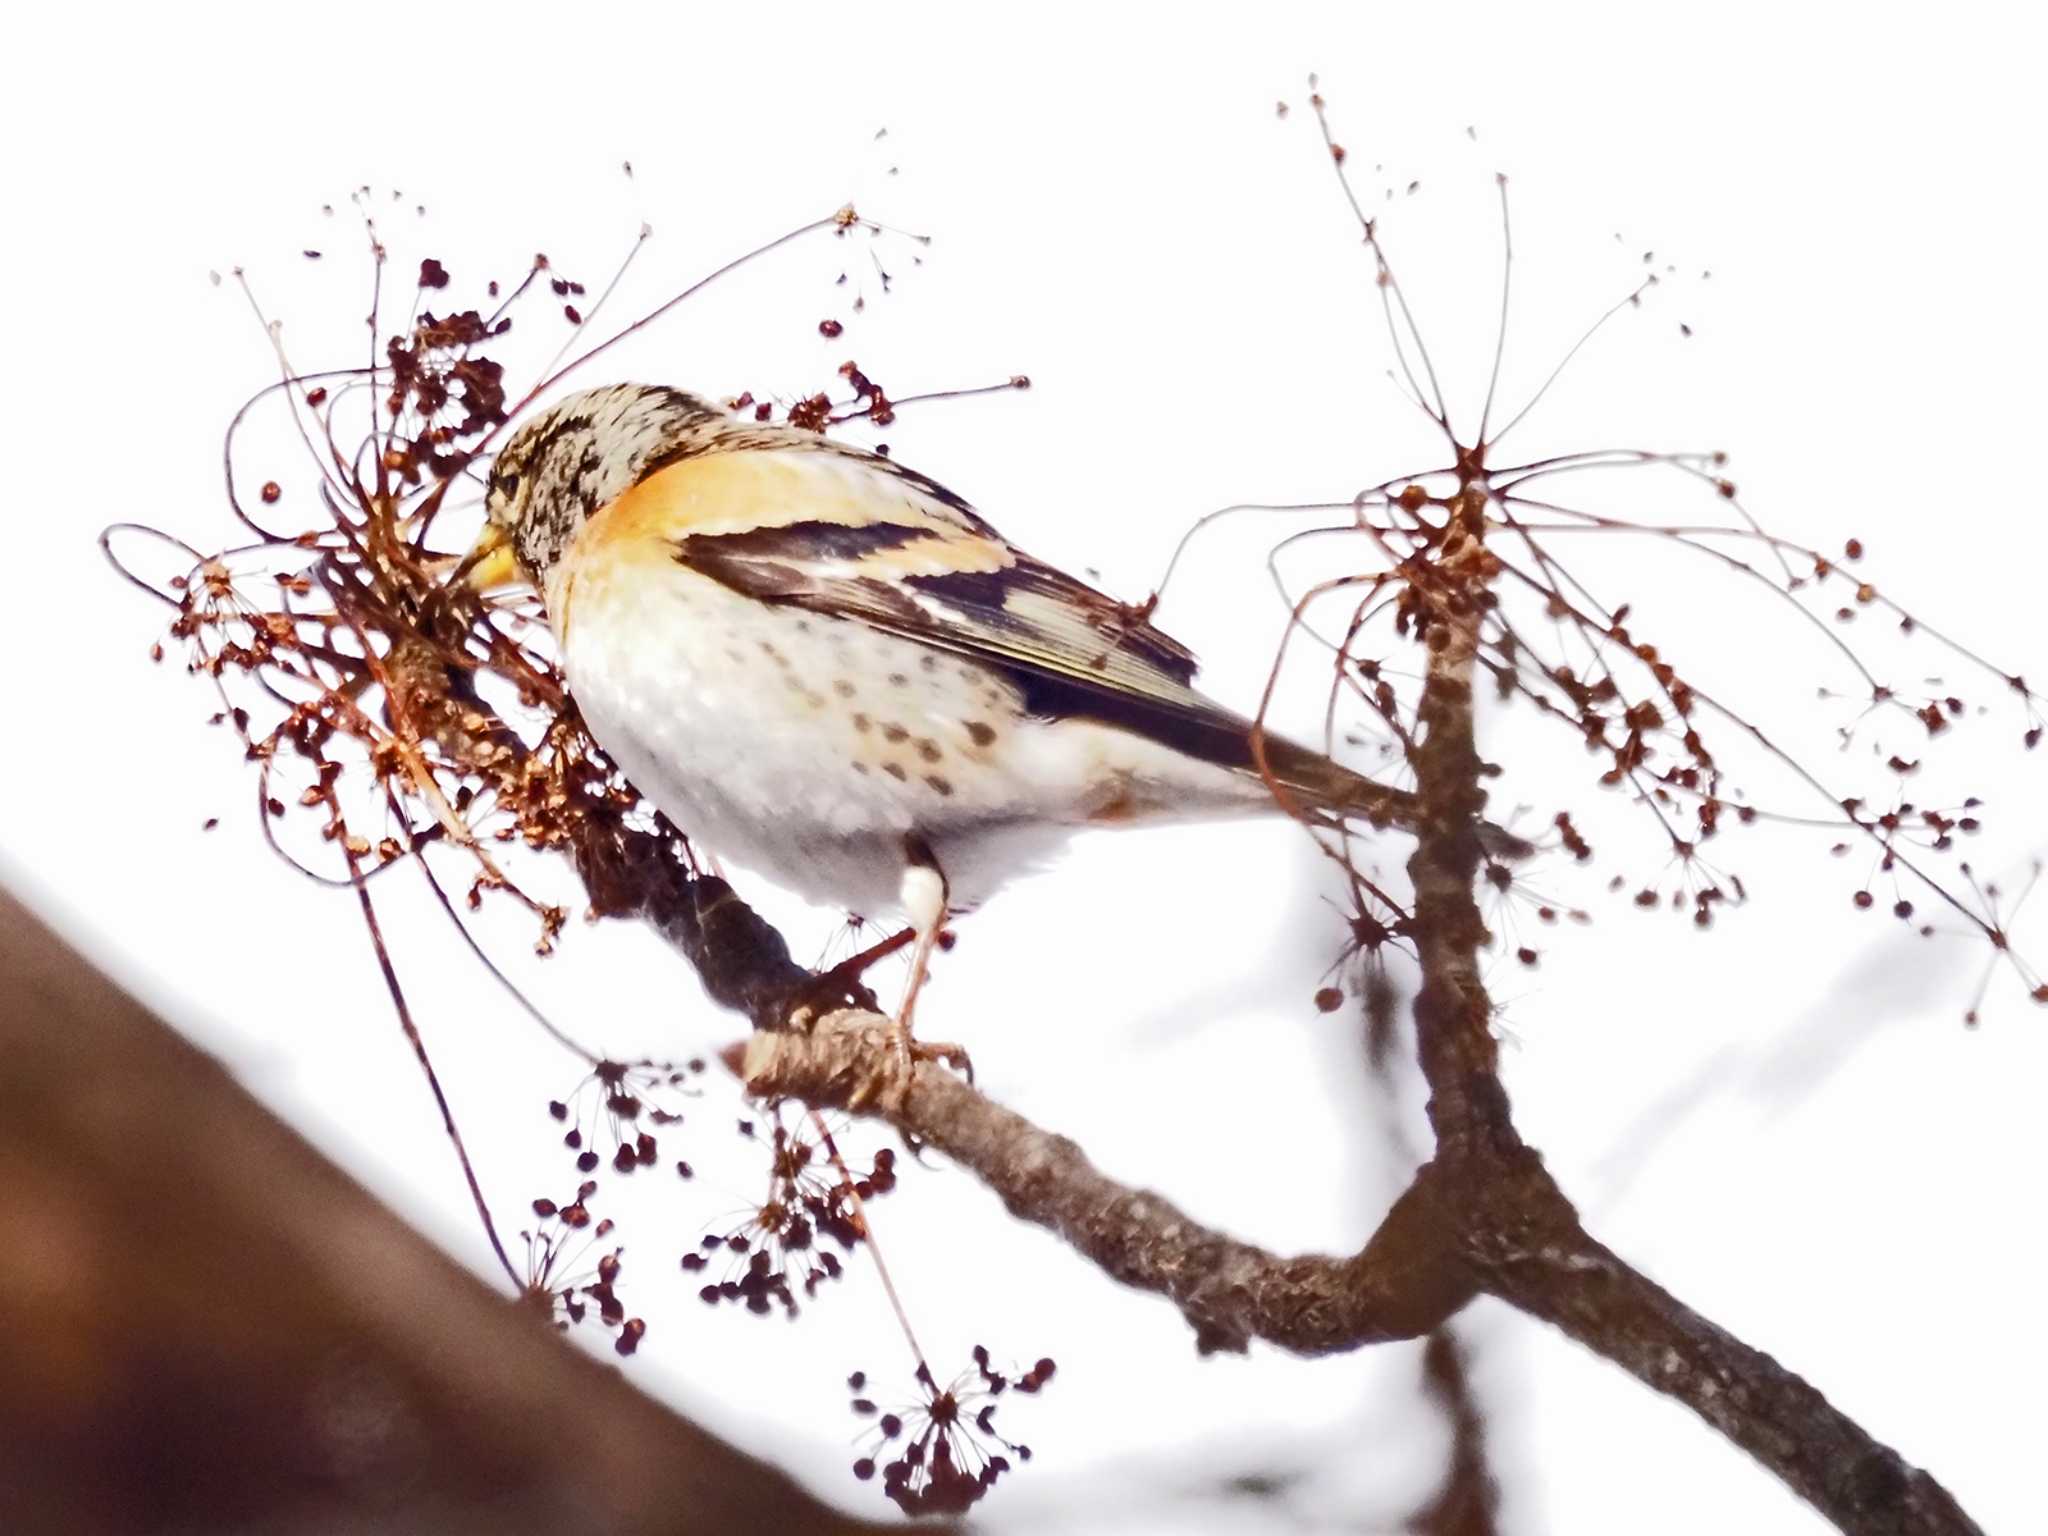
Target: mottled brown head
[[583, 454]]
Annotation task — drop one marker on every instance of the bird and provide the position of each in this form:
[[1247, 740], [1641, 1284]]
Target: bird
[[830, 670]]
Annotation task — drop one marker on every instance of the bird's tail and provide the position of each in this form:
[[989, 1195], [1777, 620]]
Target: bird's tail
[[1329, 786]]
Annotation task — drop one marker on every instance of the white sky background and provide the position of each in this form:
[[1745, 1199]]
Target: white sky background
[[1783, 1121]]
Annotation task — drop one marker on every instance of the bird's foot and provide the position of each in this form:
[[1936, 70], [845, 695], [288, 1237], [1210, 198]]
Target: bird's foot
[[910, 1050]]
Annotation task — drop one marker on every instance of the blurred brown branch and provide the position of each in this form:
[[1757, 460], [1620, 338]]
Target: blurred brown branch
[[1467, 1500], [209, 1327]]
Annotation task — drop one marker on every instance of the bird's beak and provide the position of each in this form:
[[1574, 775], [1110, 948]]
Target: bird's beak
[[491, 563]]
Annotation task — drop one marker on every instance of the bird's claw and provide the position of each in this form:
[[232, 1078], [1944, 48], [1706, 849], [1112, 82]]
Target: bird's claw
[[910, 1051]]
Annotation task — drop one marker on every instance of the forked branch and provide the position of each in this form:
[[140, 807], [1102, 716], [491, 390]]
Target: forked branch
[[1483, 1217]]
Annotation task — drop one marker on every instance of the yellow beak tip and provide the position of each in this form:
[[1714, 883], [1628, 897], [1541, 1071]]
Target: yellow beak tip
[[492, 563]]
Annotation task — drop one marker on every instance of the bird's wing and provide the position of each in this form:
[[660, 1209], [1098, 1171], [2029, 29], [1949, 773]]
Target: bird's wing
[[858, 537]]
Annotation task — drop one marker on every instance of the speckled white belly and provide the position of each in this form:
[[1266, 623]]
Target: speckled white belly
[[808, 748]]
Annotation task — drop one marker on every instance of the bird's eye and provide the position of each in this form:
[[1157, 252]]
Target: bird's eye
[[508, 481]]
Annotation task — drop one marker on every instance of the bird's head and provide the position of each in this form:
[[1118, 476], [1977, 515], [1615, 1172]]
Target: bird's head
[[576, 457]]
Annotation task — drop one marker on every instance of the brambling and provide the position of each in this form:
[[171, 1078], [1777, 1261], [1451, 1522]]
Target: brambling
[[828, 669]]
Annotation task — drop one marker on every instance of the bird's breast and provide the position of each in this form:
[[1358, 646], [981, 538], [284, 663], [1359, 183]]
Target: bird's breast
[[802, 746]]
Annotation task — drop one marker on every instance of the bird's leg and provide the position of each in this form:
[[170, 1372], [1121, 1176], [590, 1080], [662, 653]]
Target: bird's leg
[[923, 893]]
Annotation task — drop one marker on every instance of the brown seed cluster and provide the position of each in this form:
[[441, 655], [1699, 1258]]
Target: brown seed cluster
[[615, 1105], [570, 1276], [778, 1250], [941, 1453]]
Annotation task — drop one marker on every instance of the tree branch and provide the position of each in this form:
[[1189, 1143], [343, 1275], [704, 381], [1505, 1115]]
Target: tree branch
[[1403, 1283], [1467, 1500], [1520, 1235], [1497, 1225], [742, 960], [1453, 1015], [1864, 1487]]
